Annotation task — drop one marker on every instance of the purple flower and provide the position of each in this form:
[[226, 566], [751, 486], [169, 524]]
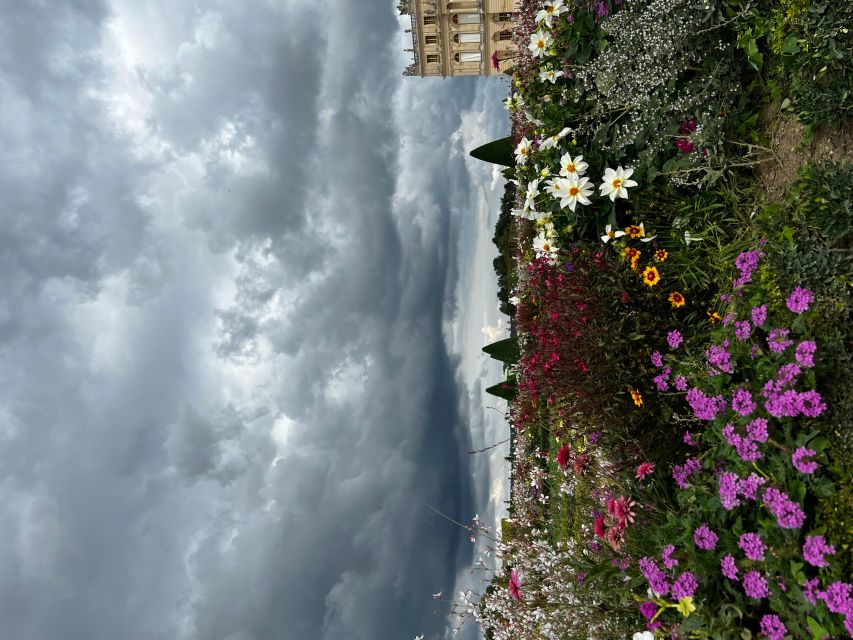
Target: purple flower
[[800, 463], [704, 538], [689, 440], [757, 430], [788, 513], [661, 380], [657, 359], [755, 585], [594, 436], [681, 472], [674, 339], [778, 340], [799, 300], [815, 548], [728, 490], [752, 546], [705, 407], [748, 487], [747, 262], [811, 404], [742, 402], [648, 609], [805, 353], [666, 555], [654, 575], [837, 598], [681, 383], [685, 585], [772, 627], [811, 590], [742, 329], [759, 315], [728, 567], [719, 358]]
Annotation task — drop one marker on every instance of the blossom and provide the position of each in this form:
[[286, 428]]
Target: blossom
[[674, 339], [651, 276], [515, 585], [757, 430], [610, 234], [685, 606], [644, 469], [549, 75], [728, 567], [523, 151], [620, 509], [574, 190], [799, 300], [539, 43], [752, 546], [685, 585], [635, 230], [778, 340], [666, 556], [684, 145], [544, 246], [800, 463], [759, 315], [648, 609], [676, 299], [814, 550], [654, 576], [681, 472], [788, 513], [728, 490], [598, 526], [615, 183], [572, 167], [772, 627], [742, 402], [549, 11], [755, 585], [636, 396], [564, 455], [705, 407], [704, 538], [742, 329], [805, 353], [643, 635], [656, 358], [551, 142], [837, 598]]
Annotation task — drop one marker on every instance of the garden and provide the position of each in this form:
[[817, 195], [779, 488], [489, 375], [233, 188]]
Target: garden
[[676, 262]]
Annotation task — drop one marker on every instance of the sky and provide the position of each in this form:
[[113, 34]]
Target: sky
[[245, 276]]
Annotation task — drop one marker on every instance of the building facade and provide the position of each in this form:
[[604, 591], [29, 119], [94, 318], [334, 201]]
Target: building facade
[[460, 37]]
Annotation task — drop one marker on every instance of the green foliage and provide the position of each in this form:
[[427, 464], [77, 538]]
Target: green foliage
[[497, 152], [506, 350]]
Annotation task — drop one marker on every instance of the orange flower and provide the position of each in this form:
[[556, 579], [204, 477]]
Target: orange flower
[[661, 255], [714, 317], [636, 397], [634, 231], [651, 276], [630, 252], [676, 299], [634, 262]]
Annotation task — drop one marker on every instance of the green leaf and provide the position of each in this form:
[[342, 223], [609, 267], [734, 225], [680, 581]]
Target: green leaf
[[818, 632]]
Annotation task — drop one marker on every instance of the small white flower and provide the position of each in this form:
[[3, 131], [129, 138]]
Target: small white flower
[[514, 102], [550, 76], [550, 10], [544, 246], [533, 120], [539, 43], [574, 190], [523, 151], [551, 142], [514, 300], [610, 234], [553, 186], [572, 166], [643, 635], [615, 183]]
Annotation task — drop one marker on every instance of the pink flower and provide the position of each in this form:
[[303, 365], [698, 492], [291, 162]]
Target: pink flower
[[515, 586], [645, 469], [620, 509], [599, 527], [563, 456], [495, 65]]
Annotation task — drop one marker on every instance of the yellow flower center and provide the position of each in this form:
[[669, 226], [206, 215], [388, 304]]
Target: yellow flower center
[[574, 191], [611, 234], [541, 44], [617, 183], [570, 168], [549, 10], [546, 247]]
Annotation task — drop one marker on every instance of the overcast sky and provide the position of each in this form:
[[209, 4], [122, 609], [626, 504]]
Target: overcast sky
[[244, 271]]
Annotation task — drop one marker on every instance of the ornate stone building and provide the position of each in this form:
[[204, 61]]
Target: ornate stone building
[[459, 37]]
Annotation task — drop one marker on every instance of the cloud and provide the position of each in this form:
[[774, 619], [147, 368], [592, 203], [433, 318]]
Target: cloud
[[230, 246]]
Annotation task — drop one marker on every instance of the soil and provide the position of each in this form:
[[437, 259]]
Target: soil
[[788, 152]]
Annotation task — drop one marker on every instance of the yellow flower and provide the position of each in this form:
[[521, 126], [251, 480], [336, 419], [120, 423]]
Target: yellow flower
[[661, 255], [686, 606], [714, 318], [636, 396], [651, 276], [676, 299]]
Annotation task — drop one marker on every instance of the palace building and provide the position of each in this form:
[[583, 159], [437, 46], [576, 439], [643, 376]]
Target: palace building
[[460, 37]]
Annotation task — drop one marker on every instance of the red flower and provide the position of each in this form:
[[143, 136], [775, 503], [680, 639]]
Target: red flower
[[684, 145], [495, 65], [614, 538], [645, 469], [599, 526], [564, 455], [620, 509], [582, 366], [579, 465]]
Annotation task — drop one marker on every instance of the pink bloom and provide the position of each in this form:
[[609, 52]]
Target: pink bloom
[[620, 508], [599, 527], [564, 455], [645, 469], [515, 586]]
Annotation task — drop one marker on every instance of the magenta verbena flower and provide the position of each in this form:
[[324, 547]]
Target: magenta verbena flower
[[728, 567], [804, 353], [681, 383], [666, 556], [759, 315], [648, 609], [719, 358], [728, 484], [811, 590], [814, 550], [837, 598], [772, 627], [757, 430], [654, 575], [755, 585], [742, 329], [705, 407], [748, 487], [778, 340], [662, 379], [657, 359], [689, 440], [752, 546], [788, 513], [799, 300], [800, 461], [704, 538], [742, 402], [681, 472], [674, 339], [685, 585]]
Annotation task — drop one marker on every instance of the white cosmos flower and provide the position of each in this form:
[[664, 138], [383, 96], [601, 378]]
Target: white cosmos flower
[[551, 142], [574, 190], [514, 102], [544, 245], [643, 635], [550, 76], [610, 234], [523, 151], [572, 166], [550, 10], [554, 187], [615, 183], [539, 43], [532, 192]]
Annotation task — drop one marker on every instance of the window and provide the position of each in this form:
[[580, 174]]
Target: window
[[506, 34], [432, 57], [469, 56], [466, 18], [432, 39], [429, 20], [505, 16], [466, 38]]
